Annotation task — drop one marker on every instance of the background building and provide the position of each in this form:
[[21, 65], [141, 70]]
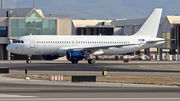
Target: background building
[[18, 22], [93, 27]]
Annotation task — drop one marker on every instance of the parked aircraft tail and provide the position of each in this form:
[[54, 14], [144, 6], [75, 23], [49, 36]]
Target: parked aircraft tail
[[151, 25]]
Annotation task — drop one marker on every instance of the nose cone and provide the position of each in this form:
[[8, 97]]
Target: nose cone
[[9, 48]]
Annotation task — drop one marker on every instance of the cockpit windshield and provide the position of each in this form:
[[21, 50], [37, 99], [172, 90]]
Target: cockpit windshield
[[18, 41]]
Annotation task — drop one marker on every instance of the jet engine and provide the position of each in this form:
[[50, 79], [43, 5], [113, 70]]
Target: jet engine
[[50, 57], [73, 55]]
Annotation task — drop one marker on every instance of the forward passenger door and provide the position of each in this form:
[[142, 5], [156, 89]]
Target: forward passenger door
[[32, 42]]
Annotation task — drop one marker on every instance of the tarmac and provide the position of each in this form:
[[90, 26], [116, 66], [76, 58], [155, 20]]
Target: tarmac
[[19, 90]]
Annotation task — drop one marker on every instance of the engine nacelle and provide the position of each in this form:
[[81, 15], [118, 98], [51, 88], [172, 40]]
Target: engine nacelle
[[50, 57], [73, 55]]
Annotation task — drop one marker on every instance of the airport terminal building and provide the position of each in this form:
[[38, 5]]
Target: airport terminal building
[[16, 22]]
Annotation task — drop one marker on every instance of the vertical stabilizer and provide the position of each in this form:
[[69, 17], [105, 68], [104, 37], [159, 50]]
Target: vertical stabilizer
[[151, 25]]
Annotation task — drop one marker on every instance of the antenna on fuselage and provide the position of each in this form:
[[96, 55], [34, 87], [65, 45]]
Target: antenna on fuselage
[[30, 34]]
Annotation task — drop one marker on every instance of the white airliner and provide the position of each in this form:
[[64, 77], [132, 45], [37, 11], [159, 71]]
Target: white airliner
[[76, 48]]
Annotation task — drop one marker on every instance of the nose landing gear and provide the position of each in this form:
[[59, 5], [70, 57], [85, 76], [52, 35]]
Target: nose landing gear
[[28, 61]]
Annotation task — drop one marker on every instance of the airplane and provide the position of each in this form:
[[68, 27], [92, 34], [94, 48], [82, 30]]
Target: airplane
[[78, 47]]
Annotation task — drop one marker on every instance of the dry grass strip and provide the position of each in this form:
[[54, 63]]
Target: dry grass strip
[[112, 79]]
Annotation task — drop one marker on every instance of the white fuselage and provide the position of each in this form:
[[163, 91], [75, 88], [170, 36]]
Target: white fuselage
[[59, 44]]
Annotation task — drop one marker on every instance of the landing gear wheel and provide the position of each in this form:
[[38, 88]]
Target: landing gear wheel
[[74, 62], [28, 61], [91, 61]]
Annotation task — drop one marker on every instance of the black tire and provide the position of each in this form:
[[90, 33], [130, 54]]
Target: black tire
[[74, 62], [91, 61], [28, 61]]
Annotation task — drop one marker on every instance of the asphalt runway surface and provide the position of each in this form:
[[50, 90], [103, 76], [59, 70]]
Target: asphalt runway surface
[[20, 90], [117, 68]]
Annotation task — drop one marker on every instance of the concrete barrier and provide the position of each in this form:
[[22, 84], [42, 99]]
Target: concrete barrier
[[51, 78], [178, 57], [174, 57], [105, 57], [170, 58], [56, 78], [111, 57], [59, 78], [158, 57], [167, 57], [83, 79], [138, 57], [143, 57], [163, 57], [121, 57], [4, 70], [154, 57], [99, 57]]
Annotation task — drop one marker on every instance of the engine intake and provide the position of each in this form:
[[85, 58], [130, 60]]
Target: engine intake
[[72, 55]]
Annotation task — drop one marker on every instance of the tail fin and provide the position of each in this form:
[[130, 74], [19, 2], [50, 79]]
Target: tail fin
[[150, 27]]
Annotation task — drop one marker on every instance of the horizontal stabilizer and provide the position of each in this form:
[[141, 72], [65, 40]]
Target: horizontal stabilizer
[[153, 41]]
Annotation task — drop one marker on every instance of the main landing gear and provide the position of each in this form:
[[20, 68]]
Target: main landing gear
[[91, 60], [28, 61], [74, 62]]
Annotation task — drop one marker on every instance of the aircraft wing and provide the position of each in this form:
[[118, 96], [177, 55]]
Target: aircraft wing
[[91, 49], [98, 47], [105, 47]]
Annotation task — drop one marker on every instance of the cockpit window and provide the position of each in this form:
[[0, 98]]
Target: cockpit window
[[18, 41], [15, 41]]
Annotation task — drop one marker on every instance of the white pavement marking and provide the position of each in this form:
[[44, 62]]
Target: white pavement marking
[[91, 99], [13, 96]]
